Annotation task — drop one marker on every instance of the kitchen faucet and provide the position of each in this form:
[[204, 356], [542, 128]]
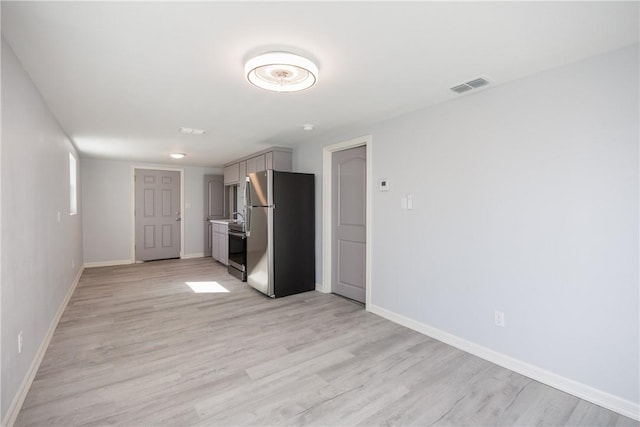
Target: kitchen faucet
[[238, 213]]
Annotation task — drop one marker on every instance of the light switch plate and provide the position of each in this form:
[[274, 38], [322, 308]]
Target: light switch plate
[[383, 184]]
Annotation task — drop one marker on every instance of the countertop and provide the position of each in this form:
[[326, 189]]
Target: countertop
[[224, 221]]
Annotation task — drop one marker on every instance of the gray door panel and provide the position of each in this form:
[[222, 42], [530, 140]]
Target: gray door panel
[[213, 206], [157, 214], [349, 223]]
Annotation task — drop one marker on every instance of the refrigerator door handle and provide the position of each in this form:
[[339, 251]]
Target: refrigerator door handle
[[247, 222], [247, 205], [247, 201]]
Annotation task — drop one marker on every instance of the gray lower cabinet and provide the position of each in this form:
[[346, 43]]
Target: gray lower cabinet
[[220, 242]]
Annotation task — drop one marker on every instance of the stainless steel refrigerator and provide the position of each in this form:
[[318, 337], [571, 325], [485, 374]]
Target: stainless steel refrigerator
[[280, 230]]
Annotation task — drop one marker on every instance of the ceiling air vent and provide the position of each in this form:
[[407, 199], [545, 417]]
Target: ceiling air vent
[[478, 82], [471, 84], [461, 88]]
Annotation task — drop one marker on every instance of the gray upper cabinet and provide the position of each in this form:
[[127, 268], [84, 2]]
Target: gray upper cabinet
[[256, 164], [277, 158], [268, 160], [232, 174]]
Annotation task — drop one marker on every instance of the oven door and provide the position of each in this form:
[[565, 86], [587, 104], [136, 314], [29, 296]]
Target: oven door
[[237, 250]]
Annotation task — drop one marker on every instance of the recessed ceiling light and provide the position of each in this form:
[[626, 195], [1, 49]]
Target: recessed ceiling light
[[177, 155], [307, 127], [281, 72]]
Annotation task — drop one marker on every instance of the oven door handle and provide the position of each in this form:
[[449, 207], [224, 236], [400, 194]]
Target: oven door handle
[[234, 234]]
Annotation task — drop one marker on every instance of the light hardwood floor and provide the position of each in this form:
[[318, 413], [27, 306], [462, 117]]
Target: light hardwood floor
[[136, 346]]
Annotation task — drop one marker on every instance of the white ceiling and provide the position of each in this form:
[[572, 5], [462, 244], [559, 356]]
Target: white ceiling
[[122, 78]]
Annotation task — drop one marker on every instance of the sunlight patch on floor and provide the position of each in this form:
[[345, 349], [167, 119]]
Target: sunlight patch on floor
[[207, 287]]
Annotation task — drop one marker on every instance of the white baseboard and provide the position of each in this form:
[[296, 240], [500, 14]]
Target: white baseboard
[[583, 391], [195, 255], [107, 263], [320, 288], [18, 400]]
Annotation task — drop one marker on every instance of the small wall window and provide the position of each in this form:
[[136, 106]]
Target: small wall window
[[73, 185]]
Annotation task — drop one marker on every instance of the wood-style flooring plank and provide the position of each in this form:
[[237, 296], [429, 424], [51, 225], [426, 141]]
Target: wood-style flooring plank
[[137, 346]]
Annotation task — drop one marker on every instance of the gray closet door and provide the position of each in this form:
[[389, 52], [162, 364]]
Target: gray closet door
[[157, 213], [349, 223], [213, 207]]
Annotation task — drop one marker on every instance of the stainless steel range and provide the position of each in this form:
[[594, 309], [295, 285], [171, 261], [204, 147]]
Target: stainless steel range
[[237, 251]]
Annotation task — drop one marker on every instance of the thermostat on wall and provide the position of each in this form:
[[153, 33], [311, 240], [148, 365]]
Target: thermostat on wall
[[383, 184]]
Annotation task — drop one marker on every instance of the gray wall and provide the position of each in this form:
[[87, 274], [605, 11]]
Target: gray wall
[[37, 250], [107, 196], [526, 201]]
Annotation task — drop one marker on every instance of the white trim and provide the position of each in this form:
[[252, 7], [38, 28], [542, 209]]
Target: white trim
[[320, 288], [583, 391], [133, 205], [18, 400], [107, 263], [327, 153], [194, 255]]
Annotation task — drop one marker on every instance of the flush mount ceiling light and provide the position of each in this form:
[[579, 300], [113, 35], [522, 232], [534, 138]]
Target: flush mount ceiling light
[[281, 72], [177, 155]]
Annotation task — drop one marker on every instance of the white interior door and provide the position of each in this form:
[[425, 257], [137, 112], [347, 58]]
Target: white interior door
[[349, 201], [157, 214]]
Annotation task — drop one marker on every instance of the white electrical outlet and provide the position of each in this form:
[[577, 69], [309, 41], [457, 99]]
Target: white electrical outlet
[[498, 318], [20, 342]]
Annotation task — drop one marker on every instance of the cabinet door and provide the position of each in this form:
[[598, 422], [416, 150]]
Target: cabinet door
[[224, 246], [256, 164], [260, 163], [268, 160], [251, 165], [231, 174], [215, 242], [282, 161]]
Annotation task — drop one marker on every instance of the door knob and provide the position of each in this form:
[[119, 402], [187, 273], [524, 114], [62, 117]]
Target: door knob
[[178, 219]]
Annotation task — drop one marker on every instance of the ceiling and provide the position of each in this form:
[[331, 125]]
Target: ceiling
[[123, 77]]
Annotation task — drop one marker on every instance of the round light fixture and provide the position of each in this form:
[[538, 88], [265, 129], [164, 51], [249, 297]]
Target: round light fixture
[[281, 72], [177, 155]]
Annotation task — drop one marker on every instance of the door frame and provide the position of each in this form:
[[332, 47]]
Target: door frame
[[133, 205], [327, 212]]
